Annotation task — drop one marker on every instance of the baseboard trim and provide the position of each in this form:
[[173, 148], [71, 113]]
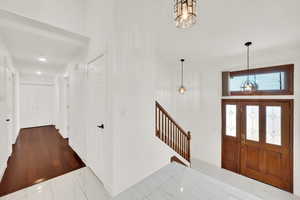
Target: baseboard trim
[[38, 126], [2, 171]]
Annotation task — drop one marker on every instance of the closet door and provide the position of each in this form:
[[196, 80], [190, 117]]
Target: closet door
[[36, 105], [96, 118], [5, 144]]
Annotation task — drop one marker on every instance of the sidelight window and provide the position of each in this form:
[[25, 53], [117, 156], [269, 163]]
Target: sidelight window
[[273, 125], [231, 120]]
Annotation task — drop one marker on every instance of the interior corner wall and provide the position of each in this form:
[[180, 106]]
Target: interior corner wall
[[99, 27], [61, 116], [140, 78]]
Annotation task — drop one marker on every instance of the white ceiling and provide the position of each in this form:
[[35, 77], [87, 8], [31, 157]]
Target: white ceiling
[[224, 26], [222, 29], [27, 40]]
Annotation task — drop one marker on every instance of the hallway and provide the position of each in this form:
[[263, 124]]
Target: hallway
[[38, 155]]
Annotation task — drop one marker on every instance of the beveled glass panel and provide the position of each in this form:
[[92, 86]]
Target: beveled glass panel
[[252, 123], [231, 120], [273, 125]]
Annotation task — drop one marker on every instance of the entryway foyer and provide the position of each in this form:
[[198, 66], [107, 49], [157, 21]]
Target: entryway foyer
[[139, 99]]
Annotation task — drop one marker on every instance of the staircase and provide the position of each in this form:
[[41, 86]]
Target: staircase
[[168, 131]]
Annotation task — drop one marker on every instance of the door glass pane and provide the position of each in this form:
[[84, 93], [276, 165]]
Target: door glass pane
[[252, 123], [273, 125], [231, 120]]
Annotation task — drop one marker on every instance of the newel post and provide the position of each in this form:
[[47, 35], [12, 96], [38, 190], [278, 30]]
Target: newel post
[[189, 145]]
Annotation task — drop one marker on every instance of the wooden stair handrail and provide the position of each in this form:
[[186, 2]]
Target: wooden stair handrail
[[168, 130], [177, 160], [169, 116]]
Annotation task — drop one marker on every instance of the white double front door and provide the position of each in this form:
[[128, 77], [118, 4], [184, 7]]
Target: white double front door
[[37, 104]]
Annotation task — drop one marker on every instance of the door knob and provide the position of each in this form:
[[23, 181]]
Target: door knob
[[101, 126], [243, 139]]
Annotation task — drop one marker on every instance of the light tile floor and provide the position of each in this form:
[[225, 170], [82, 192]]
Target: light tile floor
[[261, 190], [81, 184], [204, 182]]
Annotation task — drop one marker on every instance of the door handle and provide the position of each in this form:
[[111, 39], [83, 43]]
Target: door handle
[[243, 139], [7, 120], [101, 126]]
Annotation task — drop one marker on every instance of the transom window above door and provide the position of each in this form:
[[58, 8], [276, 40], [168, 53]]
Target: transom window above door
[[278, 80]]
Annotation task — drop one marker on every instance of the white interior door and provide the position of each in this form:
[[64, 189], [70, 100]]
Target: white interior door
[[6, 113], [96, 103], [10, 111], [4, 136], [37, 105]]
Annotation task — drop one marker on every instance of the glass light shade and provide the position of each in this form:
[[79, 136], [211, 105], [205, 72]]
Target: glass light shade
[[182, 89], [185, 13], [249, 86]]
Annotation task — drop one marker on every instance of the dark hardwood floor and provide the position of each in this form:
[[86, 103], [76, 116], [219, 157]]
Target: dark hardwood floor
[[38, 155]]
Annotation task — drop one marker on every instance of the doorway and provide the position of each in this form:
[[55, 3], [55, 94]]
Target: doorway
[[257, 140]]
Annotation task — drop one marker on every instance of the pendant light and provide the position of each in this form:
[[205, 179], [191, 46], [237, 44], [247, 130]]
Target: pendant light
[[185, 13], [248, 85], [182, 89]]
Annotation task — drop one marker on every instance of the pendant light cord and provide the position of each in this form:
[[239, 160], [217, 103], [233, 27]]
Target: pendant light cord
[[182, 60], [248, 63], [248, 44]]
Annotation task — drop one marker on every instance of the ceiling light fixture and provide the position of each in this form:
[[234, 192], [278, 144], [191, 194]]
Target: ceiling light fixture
[[42, 59], [182, 89], [38, 72], [248, 85], [185, 13]]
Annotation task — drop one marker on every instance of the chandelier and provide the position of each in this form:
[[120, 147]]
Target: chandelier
[[185, 13], [248, 85]]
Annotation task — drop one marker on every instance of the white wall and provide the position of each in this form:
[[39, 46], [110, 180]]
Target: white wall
[[138, 79], [8, 131], [65, 14], [62, 106], [135, 79], [77, 123]]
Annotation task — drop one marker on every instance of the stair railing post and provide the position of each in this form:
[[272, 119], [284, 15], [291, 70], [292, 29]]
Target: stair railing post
[[189, 146]]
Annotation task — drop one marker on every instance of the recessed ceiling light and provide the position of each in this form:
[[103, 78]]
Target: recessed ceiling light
[[42, 59], [38, 72], [181, 189]]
